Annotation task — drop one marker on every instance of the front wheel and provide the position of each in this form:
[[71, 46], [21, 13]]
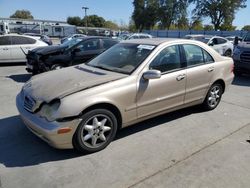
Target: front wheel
[[95, 132], [213, 97]]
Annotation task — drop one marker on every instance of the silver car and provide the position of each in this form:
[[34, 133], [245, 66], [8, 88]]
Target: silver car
[[84, 106]]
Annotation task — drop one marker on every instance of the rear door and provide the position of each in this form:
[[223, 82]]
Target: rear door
[[199, 72], [5, 47]]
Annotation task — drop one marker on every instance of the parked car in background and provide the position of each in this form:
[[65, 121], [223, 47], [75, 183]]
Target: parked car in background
[[13, 47], [75, 51], [83, 106], [44, 38], [221, 45], [134, 36], [70, 37], [241, 56]]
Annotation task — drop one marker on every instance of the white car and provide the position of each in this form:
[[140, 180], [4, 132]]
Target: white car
[[13, 47], [221, 45]]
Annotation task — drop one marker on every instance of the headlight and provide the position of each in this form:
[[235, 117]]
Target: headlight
[[48, 111]]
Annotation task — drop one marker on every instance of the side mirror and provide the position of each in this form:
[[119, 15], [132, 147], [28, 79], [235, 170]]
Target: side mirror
[[151, 74], [236, 41]]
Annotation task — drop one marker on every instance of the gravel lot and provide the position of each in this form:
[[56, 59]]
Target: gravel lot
[[187, 148]]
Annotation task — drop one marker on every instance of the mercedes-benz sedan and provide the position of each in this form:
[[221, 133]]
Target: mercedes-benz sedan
[[84, 106]]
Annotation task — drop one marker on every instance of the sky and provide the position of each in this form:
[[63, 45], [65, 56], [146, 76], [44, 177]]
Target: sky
[[119, 11]]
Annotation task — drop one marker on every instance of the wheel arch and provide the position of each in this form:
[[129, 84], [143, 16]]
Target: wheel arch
[[222, 83], [108, 106]]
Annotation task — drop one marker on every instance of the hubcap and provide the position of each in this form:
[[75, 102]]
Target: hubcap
[[214, 96], [96, 131]]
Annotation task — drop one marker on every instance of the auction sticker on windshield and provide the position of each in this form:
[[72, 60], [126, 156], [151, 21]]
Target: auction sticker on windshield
[[146, 47]]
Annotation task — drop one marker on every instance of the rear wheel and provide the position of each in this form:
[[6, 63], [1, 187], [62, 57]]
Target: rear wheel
[[213, 97], [95, 132]]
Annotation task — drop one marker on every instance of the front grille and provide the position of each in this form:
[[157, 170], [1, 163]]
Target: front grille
[[245, 56], [29, 103]]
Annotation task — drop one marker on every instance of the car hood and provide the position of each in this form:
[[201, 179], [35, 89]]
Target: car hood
[[63, 82], [48, 49]]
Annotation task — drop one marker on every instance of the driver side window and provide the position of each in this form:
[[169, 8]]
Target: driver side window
[[167, 60]]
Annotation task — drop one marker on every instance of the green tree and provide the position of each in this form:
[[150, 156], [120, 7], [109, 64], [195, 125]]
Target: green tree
[[246, 28], [170, 11], [145, 13], [208, 27], [111, 25], [197, 25], [75, 20], [94, 21], [219, 11], [182, 23], [22, 14]]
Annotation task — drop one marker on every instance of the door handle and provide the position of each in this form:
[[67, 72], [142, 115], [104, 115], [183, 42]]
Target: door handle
[[180, 77], [211, 69], [5, 48]]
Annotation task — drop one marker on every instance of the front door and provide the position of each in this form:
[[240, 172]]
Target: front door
[[167, 92]]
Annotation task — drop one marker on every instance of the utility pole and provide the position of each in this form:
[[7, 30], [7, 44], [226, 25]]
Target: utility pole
[[86, 18]]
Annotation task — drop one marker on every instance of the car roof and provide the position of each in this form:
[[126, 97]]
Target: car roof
[[18, 35], [95, 37], [153, 41]]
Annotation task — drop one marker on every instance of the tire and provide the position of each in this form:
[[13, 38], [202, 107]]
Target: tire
[[213, 97], [56, 67], [95, 132], [228, 53]]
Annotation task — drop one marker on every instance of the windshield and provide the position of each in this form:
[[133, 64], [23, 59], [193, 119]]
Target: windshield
[[122, 58], [71, 43], [247, 37]]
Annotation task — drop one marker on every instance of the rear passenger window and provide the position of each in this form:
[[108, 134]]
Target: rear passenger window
[[19, 40], [207, 57], [194, 55], [167, 60], [221, 41]]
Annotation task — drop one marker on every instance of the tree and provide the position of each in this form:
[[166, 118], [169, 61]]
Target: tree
[[219, 11], [145, 13], [208, 27], [182, 23], [22, 14], [197, 25], [246, 28], [94, 21], [171, 10], [111, 25], [75, 20]]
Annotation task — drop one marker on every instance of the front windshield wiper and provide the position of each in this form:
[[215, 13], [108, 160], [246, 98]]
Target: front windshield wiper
[[112, 69]]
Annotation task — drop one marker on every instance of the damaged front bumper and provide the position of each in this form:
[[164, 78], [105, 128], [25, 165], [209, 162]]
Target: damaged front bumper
[[48, 131]]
